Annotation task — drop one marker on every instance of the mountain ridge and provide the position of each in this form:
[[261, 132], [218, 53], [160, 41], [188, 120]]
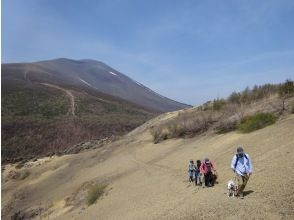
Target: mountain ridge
[[96, 75]]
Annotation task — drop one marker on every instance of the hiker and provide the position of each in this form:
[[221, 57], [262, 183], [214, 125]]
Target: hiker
[[207, 172], [242, 167], [191, 169], [197, 173]]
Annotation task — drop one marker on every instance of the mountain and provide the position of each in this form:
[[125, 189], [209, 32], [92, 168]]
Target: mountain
[[51, 106], [93, 75]]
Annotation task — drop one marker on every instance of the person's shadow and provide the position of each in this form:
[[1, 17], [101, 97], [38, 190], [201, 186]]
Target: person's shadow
[[246, 193]]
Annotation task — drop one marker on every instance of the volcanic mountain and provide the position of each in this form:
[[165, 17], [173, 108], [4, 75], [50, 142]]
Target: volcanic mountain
[[93, 75], [50, 106]]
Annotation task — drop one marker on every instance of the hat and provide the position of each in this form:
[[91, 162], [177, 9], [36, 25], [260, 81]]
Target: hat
[[240, 150]]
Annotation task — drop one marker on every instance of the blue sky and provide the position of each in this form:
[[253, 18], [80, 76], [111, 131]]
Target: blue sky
[[190, 51]]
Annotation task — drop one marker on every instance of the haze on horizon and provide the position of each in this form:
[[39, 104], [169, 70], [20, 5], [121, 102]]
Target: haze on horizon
[[190, 51]]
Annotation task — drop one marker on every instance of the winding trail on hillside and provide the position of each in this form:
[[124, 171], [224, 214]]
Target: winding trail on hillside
[[68, 93], [25, 75]]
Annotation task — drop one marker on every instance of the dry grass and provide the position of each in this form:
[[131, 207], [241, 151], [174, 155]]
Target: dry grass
[[187, 124], [95, 192], [226, 118]]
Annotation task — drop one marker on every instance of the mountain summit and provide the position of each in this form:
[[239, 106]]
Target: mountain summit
[[92, 74]]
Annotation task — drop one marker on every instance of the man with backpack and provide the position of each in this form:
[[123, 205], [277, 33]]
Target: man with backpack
[[242, 167]]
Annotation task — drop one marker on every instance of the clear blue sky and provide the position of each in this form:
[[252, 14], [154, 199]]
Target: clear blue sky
[[190, 51]]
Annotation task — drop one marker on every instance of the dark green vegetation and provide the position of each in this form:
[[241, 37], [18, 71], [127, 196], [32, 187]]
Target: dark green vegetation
[[21, 99], [36, 120], [246, 111], [94, 193], [286, 90], [255, 122]]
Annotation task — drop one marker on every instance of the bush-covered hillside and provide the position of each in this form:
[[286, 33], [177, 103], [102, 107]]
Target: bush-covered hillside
[[36, 120], [248, 110]]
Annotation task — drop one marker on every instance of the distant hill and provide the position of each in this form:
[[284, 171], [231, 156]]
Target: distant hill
[[50, 106], [93, 75]]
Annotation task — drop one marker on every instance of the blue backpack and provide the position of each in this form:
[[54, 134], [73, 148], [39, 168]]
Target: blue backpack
[[238, 160]]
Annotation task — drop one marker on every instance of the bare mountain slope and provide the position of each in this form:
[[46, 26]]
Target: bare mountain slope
[[148, 181], [94, 75]]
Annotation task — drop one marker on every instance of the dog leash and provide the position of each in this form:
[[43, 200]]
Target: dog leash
[[235, 178]]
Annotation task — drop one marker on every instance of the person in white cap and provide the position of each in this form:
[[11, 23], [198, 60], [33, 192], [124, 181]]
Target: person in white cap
[[242, 166]]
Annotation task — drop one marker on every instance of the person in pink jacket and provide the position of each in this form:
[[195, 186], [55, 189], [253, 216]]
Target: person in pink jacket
[[207, 173]]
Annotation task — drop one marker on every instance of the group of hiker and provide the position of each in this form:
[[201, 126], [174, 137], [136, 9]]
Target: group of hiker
[[204, 174]]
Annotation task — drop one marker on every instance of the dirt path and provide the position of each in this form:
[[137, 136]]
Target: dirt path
[[68, 93], [26, 74]]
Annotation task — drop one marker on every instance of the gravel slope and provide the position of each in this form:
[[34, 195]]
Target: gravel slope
[[147, 181]]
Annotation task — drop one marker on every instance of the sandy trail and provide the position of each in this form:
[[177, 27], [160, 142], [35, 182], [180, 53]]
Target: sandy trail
[[147, 181], [68, 93]]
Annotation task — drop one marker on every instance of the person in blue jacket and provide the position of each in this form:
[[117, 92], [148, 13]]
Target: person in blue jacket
[[242, 166], [191, 170]]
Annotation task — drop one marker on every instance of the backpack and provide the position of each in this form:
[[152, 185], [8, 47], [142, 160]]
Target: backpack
[[208, 166], [191, 167], [238, 160]]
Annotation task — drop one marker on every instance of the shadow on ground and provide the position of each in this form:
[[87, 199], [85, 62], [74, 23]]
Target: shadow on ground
[[246, 193]]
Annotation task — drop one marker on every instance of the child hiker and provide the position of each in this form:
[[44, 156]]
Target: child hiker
[[191, 170]]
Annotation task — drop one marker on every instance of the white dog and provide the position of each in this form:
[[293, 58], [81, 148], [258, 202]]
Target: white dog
[[232, 188]]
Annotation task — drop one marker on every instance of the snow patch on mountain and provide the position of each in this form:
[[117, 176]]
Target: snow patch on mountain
[[112, 73], [86, 83]]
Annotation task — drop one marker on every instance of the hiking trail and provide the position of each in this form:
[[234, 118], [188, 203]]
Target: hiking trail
[[68, 93]]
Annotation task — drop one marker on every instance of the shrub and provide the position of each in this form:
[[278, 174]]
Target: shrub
[[235, 98], [218, 104], [226, 126], [286, 90], [24, 174], [19, 165], [175, 131], [255, 122], [19, 175], [207, 106], [156, 134], [94, 193]]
